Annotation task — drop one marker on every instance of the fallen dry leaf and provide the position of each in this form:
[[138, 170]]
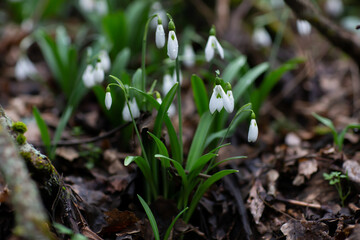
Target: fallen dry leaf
[[306, 169], [305, 230], [256, 204]]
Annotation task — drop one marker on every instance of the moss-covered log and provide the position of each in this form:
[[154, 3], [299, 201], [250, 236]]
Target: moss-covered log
[[347, 41], [60, 201]]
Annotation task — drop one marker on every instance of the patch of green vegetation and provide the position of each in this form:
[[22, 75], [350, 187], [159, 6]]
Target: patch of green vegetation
[[19, 127], [26, 156], [21, 139]]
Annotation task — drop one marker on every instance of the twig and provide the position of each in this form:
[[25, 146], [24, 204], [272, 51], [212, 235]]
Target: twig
[[347, 41]]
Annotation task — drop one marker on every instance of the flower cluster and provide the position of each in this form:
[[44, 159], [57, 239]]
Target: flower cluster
[[219, 99], [99, 7], [172, 45], [95, 75]]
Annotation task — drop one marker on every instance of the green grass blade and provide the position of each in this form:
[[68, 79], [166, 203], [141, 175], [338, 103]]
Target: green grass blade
[[203, 188], [45, 136], [151, 218], [343, 132], [178, 167], [198, 142], [161, 147], [327, 122], [168, 231], [202, 161], [200, 94]]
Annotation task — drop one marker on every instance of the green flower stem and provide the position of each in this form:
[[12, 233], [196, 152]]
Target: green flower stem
[[143, 53], [177, 69]]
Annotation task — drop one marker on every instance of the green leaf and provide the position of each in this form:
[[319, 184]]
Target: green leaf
[[121, 61], [200, 95], [115, 29], [151, 217], [179, 169], [162, 149], [78, 236], [203, 188], [225, 160], [62, 229], [202, 161], [198, 142], [233, 69], [168, 231], [45, 136], [341, 136], [327, 122]]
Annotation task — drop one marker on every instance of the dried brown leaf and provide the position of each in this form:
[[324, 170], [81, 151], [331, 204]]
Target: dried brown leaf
[[257, 206]]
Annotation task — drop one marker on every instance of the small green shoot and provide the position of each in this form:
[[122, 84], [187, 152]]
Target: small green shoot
[[334, 178], [338, 138], [67, 231]]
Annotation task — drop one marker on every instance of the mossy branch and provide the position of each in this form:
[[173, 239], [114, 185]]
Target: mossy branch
[[345, 40]]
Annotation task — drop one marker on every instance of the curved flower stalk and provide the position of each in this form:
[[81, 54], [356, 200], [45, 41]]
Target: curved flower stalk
[[160, 34], [173, 45], [303, 27], [134, 110], [253, 129], [212, 45]]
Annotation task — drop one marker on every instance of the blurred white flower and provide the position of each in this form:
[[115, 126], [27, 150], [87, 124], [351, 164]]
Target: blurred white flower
[[27, 25], [212, 45], [87, 5], [189, 56], [334, 7], [261, 37], [168, 83], [303, 27], [171, 111], [134, 110], [101, 7], [172, 46], [277, 3], [94, 6], [108, 100], [350, 23], [24, 68], [88, 76], [156, 8], [98, 73], [180, 77], [160, 36], [105, 61], [253, 131]]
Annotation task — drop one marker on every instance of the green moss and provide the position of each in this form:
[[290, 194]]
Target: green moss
[[19, 127], [21, 139], [26, 156]]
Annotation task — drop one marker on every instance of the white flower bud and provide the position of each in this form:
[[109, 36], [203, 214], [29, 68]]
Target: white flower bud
[[24, 68], [168, 83], [134, 110], [88, 76], [160, 36], [303, 27], [98, 73], [334, 7], [172, 46], [253, 131], [261, 37], [105, 62], [108, 100], [189, 56]]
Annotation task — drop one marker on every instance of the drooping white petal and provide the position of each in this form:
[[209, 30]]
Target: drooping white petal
[[253, 131], [189, 56], [160, 36], [88, 76], [24, 68], [219, 48], [216, 101], [173, 46], [108, 100], [168, 82], [303, 27], [104, 60], [134, 108], [334, 7], [209, 49], [229, 102], [126, 113], [98, 73], [261, 37]]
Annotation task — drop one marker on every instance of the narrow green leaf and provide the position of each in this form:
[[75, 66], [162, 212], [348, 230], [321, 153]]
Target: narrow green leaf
[[151, 217], [200, 94], [203, 188], [45, 136], [115, 28], [226, 160], [327, 122], [233, 69], [162, 148], [198, 142], [121, 61], [202, 161], [179, 169], [168, 231]]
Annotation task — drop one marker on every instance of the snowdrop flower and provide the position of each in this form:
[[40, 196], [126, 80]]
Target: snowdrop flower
[[277, 3], [219, 100], [171, 111], [334, 7], [172, 46], [101, 7], [88, 76], [94, 6], [98, 73], [253, 130], [24, 68], [180, 77], [212, 45], [105, 62], [160, 34], [156, 8], [189, 56], [229, 101], [168, 83], [87, 5], [134, 110], [303, 27], [108, 99], [261, 37]]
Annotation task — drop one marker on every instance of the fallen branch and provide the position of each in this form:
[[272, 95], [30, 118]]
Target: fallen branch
[[347, 41], [59, 199]]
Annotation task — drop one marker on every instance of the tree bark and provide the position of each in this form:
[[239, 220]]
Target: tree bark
[[345, 40]]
